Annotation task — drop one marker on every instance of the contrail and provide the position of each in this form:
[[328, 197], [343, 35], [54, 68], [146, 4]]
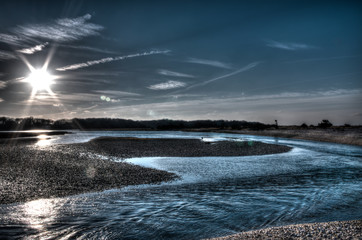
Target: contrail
[[109, 59], [243, 69]]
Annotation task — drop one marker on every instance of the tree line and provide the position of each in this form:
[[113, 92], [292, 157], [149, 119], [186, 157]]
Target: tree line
[[7, 123]]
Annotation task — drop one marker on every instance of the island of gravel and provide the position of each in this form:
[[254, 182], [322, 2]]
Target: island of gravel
[[327, 230], [29, 172]]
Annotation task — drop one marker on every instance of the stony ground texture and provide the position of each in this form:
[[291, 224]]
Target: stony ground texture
[[28, 172], [157, 147], [330, 230]]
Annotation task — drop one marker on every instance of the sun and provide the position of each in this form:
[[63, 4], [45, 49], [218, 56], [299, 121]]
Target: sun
[[40, 79]]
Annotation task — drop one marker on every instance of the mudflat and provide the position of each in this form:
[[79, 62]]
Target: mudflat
[[28, 172]]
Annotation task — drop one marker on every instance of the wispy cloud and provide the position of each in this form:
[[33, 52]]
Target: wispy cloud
[[88, 108], [289, 46], [62, 30], [1, 100], [117, 93], [2, 84], [5, 55], [174, 74], [10, 39], [93, 49], [243, 69], [34, 49], [64, 98], [167, 85], [263, 108], [109, 59], [209, 62]]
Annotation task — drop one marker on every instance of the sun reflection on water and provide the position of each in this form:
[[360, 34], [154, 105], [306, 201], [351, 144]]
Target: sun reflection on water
[[39, 212], [44, 140]]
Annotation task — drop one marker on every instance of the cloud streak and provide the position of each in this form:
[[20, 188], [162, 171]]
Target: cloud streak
[[92, 49], [34, 49], [2, 84], [10, 39], [62, 30], [5, 55], [117, 93], [289, 46], [167, 85], [243, 69], [209, 63], [109, 59], [174, 74]]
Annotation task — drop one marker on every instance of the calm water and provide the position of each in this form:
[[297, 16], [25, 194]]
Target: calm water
[[216, 196]]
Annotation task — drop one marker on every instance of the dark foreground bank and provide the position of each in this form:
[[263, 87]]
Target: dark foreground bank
[[329, 230], [28, 172]]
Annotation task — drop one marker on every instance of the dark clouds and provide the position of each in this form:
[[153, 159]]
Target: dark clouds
[[297, 61]]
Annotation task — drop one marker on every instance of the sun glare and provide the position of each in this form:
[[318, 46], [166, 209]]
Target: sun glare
[[40, 79]]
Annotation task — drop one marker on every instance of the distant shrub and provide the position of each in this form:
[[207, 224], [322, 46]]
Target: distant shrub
[[304, 125], [325, 124]]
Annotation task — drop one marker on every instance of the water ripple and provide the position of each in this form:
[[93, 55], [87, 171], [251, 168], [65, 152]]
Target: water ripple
[[215, 196]]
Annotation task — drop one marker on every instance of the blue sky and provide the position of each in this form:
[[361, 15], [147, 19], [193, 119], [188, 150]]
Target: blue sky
[[295, 61]]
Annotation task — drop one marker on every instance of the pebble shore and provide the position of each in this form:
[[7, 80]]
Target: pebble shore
[[348, 230], [160, 147], [28, 172]]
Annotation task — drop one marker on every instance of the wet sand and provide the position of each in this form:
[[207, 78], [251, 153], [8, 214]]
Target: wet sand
[[328, 230], [28, 172]]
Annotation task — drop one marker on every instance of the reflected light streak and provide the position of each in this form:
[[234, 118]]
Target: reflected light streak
[[44, 140], [39, 212]]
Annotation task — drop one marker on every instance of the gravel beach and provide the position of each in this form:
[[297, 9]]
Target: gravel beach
[[329, 230], [160, 147], [28, 172]]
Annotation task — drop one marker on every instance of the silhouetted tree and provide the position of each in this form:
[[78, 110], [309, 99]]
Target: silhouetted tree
[[8, 123], [325, 124]]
